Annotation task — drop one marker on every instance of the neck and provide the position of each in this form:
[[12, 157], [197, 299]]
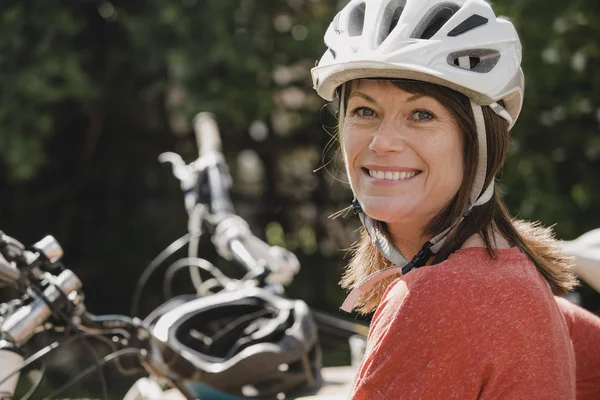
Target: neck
[[408, 241]]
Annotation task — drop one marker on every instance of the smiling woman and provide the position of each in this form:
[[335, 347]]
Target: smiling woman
[[462, 292], [445, 141]]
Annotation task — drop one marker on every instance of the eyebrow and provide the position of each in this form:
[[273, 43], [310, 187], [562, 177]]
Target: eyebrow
[[412, 98]]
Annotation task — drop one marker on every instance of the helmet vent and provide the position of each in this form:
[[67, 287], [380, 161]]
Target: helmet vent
[[435, 19], [470, 23], [391, 16], [481, 61], [473, 62], [357, 20]]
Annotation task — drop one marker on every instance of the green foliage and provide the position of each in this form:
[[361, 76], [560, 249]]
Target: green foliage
[[39, 70], [220, 55], [552, 173]]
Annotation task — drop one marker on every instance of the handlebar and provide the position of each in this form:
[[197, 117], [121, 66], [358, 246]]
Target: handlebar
[[234, 240], [231, 234], [47, 296], [207, 134], [209, 203]]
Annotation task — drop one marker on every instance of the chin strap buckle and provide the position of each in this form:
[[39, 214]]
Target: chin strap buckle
[[420, 259], [356, 207]]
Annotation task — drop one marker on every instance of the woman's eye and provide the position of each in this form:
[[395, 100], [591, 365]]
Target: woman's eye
[[422, 115], [363, 112]]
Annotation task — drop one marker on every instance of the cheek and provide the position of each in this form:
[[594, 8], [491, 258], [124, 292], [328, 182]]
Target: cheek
[[444, 154]]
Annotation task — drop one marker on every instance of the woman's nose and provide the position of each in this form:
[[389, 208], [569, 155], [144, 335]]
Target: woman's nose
[[388, 138]]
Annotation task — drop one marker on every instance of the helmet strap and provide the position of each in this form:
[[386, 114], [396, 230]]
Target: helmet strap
[[342, 106], [481, 171], [476, 197]]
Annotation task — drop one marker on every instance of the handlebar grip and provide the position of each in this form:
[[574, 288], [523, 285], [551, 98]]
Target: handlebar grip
[[218, 179], [20, 326], [206, 129]]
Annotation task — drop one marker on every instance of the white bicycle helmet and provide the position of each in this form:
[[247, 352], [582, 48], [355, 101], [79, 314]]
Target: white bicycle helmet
[[459, 44]]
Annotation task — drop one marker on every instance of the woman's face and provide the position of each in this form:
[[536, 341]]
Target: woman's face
[[403, 153]]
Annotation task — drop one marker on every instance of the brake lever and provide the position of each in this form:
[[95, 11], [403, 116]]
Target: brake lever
[[185, 173]]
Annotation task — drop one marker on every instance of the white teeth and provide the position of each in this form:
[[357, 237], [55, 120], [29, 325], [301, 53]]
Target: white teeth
[[392, 175]]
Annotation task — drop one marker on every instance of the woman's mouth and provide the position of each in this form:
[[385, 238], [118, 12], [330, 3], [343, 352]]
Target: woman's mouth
[[391, 175]]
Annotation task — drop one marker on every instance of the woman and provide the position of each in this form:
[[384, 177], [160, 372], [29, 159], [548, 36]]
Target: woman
[[428, 91]]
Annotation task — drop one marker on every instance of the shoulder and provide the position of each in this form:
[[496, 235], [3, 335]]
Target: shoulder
[[472, 291], [462, 322], [468, 276]]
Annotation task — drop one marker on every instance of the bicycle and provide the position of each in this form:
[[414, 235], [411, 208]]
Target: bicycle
[[52, 298], [205, 183]]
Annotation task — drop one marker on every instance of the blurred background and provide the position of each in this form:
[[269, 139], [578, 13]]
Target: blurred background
[[91, 92]]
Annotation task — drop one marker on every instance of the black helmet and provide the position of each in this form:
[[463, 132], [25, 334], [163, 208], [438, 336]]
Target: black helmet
[[247, 342]]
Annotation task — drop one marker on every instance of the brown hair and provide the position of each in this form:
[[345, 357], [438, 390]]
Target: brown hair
[[532, 239]]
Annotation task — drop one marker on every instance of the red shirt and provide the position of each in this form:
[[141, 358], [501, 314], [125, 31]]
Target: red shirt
[[471, 327]]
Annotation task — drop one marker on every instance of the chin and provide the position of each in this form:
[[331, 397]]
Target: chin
[[386, 212]]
